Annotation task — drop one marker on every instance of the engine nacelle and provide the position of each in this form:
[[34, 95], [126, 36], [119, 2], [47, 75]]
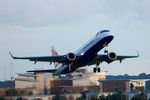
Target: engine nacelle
[[112, 55], [71, 56]]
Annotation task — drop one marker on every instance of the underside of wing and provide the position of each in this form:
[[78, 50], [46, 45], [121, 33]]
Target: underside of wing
[[107, 58]]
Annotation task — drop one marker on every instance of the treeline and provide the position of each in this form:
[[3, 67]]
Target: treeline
[[115, 96], [126, 76], [7, 84]]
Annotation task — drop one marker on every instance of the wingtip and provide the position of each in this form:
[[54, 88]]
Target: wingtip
[[11, 55], [138, 54]]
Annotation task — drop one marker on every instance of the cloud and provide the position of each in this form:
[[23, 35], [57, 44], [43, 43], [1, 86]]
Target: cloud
[[30, 27], [57, 12], [45, 12]]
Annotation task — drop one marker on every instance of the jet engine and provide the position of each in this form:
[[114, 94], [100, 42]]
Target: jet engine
[[71, 56], [112, 55]]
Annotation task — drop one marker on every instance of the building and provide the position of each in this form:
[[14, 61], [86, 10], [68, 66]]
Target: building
[[46, 83], [2, 92], [79, 89], [38, 82], [74, 84], [6, 85], [122, 85]]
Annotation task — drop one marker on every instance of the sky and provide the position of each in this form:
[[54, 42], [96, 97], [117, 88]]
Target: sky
[[31, 27]]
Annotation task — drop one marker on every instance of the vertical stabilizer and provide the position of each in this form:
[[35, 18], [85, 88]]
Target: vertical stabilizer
[[54, 53]]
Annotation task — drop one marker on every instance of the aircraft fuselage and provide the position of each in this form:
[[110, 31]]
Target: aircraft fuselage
[[88, 51]]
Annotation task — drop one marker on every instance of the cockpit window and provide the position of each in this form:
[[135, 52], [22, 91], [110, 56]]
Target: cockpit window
[[103, 31], [97, 33]]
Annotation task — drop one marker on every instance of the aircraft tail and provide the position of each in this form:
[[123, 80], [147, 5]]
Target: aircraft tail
[[54, 53]]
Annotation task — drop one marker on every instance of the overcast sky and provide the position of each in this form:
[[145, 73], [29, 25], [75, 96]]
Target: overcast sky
[[31, 27]]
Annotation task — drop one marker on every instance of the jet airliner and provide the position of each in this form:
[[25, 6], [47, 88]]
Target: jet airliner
[[86, 55]]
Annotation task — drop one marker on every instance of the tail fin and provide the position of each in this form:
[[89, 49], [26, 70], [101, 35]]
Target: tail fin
[[54, 53]]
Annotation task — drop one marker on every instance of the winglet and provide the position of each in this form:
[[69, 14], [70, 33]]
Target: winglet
[[138, 54], [11, 55]]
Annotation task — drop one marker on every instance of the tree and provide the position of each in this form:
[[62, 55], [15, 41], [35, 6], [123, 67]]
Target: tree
[[30, 93], [142, 74], [83, 96], [19, 98], [116, 96], [11, 92], [102, 97], [94, 98], [131, 87], [2, 98], [58, 97], [139, 97]]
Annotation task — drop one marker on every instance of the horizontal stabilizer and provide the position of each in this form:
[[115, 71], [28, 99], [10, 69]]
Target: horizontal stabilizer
[[43, 71]]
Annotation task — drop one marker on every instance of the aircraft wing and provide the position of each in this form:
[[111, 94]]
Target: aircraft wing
[[58, 59], [122, 57], [104, 58]]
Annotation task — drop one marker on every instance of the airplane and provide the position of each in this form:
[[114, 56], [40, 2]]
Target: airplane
[[86, 55]]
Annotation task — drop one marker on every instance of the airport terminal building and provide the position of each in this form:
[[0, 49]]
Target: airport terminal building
[[77, 82]]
